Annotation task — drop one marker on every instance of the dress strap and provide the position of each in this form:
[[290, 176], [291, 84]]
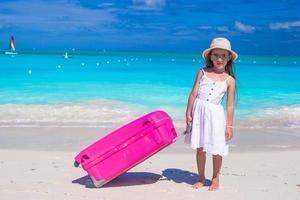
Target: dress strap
[[203, 71], [227, 78]]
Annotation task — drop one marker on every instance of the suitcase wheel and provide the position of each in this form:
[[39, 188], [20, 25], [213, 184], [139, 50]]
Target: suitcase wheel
[[76, 164]]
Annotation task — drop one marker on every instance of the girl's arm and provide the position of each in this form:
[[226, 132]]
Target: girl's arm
[[230, 108], [192, 97]]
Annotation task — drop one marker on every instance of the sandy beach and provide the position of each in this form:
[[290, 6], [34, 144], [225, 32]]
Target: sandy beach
[[37, 163], [75, 71]]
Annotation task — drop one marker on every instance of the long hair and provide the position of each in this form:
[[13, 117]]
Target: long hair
[[229, 69]]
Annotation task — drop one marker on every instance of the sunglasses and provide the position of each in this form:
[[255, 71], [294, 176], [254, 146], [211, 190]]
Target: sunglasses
[[215, 57]]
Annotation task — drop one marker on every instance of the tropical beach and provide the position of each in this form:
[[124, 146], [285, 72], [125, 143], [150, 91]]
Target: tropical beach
[[41, 134], [70, 79]]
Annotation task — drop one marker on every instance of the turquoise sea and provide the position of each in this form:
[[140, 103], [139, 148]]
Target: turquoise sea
[[102, 88]]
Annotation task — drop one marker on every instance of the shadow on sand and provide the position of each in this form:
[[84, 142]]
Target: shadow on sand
[[143, 178], [183, 176], [126, 179]]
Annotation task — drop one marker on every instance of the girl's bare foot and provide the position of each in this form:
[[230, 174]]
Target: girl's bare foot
[[198, 184], [214, 184]]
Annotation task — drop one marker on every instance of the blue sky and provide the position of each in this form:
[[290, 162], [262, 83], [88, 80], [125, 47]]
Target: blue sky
[[254, 27]]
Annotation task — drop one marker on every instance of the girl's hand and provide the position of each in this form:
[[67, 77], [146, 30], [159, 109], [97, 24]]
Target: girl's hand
[[188, 119], [228, 133]]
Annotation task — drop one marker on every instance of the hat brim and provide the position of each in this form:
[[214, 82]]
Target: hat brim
[[206, 51]]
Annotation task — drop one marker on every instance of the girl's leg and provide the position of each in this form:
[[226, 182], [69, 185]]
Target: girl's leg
[[217, 163], [201, 157]]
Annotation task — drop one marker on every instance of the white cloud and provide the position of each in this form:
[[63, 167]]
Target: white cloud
[[55, 16], [205, 27], [285, 25], [217, 28], [222, 28], [149, 4], [244, 28]]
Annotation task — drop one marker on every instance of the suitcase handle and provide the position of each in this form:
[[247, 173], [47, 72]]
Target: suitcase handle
[[146, 123]]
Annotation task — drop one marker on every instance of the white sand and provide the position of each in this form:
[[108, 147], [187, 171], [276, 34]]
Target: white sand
[[30, 169], [51, 175]]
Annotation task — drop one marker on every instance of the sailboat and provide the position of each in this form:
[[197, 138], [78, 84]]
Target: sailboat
[[12, 47]]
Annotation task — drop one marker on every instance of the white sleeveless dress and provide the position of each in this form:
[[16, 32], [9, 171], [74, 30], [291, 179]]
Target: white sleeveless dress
[[209, 123]]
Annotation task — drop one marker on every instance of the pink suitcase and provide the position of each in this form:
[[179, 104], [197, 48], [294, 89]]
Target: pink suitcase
[[126, 147]]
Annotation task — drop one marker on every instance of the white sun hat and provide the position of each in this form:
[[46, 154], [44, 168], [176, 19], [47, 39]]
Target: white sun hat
[[220, 43]]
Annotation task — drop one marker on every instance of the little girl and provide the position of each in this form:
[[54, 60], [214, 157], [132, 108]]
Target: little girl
[[210, 129]]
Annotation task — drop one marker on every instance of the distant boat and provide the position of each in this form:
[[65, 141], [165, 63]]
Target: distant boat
[[67, 56], [12, 47]]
